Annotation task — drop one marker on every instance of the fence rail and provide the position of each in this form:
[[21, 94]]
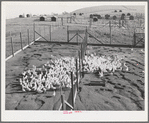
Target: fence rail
[[79, 75]]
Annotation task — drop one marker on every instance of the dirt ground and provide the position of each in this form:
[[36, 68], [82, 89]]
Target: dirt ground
[[121, 91]]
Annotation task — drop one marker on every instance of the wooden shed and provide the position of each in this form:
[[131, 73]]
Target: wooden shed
[[21, 16], [42, 18], [80, 14], [99, 17], [53, 18], [95, 19], [114, 17], [107, 16], [28, 15], [123, 14], [91, 16], [128, 14], [131, 17]]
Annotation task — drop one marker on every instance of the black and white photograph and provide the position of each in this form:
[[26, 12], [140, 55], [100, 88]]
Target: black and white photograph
[[74, 61]]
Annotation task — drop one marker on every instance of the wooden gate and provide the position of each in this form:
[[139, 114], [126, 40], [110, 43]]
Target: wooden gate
[[139, 39]]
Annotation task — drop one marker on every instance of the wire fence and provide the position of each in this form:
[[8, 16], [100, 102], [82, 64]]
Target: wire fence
[[21, 36], [70, 104]]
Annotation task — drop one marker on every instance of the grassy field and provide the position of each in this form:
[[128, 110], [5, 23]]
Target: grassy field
[[100, 29], [17, 25]]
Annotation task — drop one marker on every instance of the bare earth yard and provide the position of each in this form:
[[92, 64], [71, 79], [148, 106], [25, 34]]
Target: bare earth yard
[[122, 91]]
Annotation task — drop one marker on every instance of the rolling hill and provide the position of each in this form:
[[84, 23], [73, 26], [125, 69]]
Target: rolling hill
[[109, 9]]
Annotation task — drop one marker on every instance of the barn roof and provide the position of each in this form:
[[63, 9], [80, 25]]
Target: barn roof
[[43, 16]]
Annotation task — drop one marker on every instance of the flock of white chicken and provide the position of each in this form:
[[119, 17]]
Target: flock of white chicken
[[54, 73], [57, 72], [103, 64]]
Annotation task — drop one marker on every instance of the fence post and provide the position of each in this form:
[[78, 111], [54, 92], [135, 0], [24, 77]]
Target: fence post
[[86, 40], [79, 63], [110, 31], [90, 23], [63, 103], [77, 37], [44, 30], [40, 30], [21, 41], [34, 31], [28, 35], [50, 32], [72, 89], [62, 21], [70, 19], [119, 23], [12, 47], [67, 33], [77, 73], [134, 41]]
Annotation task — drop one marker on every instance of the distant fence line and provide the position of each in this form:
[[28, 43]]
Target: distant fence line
[[15, 41], [28, 34]]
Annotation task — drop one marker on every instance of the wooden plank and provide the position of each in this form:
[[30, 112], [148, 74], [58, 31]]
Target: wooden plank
[[63, 103], [110, 31], [69, 105], [34, 31], [141, 40], [50, 32], [41, 36], [80, 36], [72, 37], [79, 62], [72, 89], [95, 38], [67, 34], [21, 40], [77, 73], [77, 37], [134, 39], [77, 31], [12, 46], [44, 30], [28, 35], [91, 44]]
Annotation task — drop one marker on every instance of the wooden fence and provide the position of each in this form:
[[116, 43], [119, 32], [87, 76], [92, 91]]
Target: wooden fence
[[70, 104], [29, 40], [50, 28]]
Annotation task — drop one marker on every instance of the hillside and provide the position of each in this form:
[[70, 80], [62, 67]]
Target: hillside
[[110, 9]]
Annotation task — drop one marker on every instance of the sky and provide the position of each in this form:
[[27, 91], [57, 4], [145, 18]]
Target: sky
[[14, 9]]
